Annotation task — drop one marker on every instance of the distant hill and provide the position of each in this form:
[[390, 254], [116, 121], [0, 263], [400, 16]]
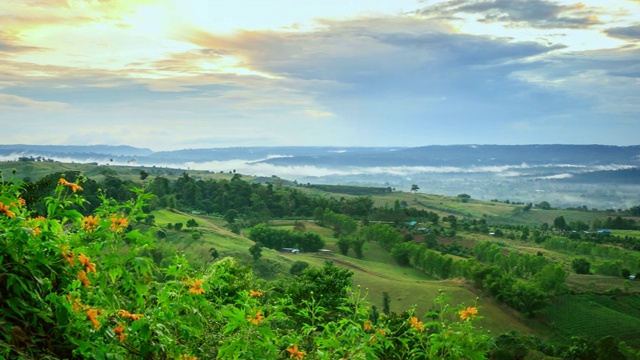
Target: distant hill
[[566, 175], [435, 155], [475, 155], [72, 151]]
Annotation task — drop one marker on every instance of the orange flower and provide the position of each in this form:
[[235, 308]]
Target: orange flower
[[119, 330], [84, 260], [90, 223], [128, 315], [195, 286], [187, 357], [381, 332], [294, 352], [22, 202], [68, 255], [5, 209], [468, 313], [82, 276], [367, 325], [74, 187], [416, 324], [36, 230], [118, 223], [257, 319], [76, 304], [255, 293], [92, 314]]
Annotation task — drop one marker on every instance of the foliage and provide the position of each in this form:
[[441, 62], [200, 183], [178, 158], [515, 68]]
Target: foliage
[[298, 267], [278, 238], [256, 251], [86, 290], [581, 266]]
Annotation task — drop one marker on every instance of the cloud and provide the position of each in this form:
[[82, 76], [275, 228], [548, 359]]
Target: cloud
[[317, 113], [10, 46], [628, 32], [18, 103], [521, 13]]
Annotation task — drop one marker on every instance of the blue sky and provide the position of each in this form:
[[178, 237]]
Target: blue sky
[[171, 74]]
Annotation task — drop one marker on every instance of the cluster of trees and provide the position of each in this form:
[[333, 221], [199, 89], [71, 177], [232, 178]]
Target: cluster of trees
[[233, 199], [623, 259], [36, 159], [278, 239]]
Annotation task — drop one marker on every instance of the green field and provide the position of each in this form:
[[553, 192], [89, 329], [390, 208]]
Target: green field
[[595, 316]]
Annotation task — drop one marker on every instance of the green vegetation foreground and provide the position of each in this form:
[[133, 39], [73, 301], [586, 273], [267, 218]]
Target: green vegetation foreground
[[77, 286]]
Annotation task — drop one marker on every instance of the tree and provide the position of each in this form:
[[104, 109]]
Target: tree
[[143, 175], [327, 287], [560, 223], [464, 197], [191, 223], [214, 253], [177, 226], [581, 266], [386, 303], [414, 190], [551, 279], [343, 245], [543, 205], [256, 251], [298, 267], [626, 273], [402, 252], [231, 216], [357, 243]]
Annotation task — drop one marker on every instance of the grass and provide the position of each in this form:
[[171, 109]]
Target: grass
[[600, 283], [594, 316]]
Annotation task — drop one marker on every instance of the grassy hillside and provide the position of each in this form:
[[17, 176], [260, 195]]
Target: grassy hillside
[[594, 316], [376, 273]]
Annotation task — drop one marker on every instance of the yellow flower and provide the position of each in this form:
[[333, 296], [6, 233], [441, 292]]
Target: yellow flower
[[367, 325], [119, 223], [5, 209], [90, 223], [255, 293], [84, 260], [257, 319], [76, 304], [72, 186], [36, 230], [294, 352], [195, 286], [416, 324], [119, 330], [468, 313], [128, 315], [68, 255]]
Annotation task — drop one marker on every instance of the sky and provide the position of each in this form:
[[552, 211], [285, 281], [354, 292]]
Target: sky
[[181, 74]]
